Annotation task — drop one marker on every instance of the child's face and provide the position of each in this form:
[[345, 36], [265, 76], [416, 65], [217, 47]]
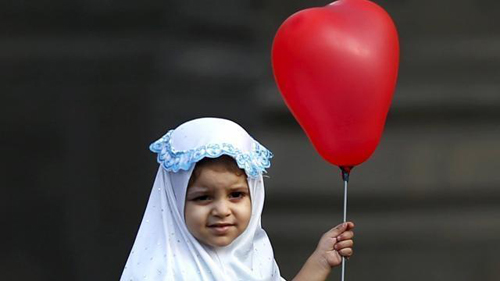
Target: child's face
[[218, 206]]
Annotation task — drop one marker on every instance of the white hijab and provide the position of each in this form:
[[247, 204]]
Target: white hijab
[[164, 249]]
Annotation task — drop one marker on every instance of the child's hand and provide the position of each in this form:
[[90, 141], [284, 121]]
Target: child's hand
[[332, 246], [335, 244]]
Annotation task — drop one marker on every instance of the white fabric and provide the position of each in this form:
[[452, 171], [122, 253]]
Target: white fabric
[[165, 250], [178, 151]]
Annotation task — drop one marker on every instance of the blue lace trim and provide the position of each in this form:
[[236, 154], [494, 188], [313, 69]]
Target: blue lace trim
[[254, 163]]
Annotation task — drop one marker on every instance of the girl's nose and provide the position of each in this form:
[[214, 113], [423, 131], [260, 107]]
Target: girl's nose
[[221, 209]]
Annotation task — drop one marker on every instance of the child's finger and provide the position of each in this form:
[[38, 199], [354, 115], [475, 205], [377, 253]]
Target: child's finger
[[336, 231], [350, 225], [346, 235], [347, 252], [344, 244]]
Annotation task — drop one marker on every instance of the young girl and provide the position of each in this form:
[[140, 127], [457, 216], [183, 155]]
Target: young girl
[[202, 221]]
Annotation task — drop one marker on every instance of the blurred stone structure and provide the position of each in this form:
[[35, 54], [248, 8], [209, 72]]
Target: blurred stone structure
[[87, 85]]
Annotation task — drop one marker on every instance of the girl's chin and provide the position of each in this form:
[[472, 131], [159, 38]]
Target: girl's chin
[[220, 242]]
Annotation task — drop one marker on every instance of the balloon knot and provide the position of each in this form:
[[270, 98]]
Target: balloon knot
[[346, 170]]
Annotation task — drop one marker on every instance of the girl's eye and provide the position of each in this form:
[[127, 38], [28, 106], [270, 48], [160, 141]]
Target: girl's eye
[[202, 198], [237, 194]]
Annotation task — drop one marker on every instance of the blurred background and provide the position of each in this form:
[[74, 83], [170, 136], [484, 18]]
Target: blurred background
[[88, 85]]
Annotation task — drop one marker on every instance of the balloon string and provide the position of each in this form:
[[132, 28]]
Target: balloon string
[[345, 220]]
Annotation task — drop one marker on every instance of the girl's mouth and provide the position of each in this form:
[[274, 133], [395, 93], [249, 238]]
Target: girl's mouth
[[221, 228]]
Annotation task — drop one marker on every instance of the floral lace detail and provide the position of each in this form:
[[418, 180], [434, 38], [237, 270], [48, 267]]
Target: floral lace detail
[[254, 163]]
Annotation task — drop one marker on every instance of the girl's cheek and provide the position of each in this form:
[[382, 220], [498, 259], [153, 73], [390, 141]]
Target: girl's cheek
[[200, 212]]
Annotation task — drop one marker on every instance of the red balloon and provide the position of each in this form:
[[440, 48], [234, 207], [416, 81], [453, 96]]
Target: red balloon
[[336, 67]]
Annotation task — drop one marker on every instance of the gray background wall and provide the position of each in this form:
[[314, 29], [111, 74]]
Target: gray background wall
[[87, 85]]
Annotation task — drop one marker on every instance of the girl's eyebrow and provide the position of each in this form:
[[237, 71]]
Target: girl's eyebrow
[[238, 187], [197, 189]]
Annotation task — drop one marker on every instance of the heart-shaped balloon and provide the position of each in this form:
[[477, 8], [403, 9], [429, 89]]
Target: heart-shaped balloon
[[336, 67]]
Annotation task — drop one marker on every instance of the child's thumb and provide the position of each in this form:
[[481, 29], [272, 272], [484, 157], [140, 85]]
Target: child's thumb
[[338, 229]]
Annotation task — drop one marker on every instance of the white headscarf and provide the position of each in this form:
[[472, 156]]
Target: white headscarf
[[164, 249]]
